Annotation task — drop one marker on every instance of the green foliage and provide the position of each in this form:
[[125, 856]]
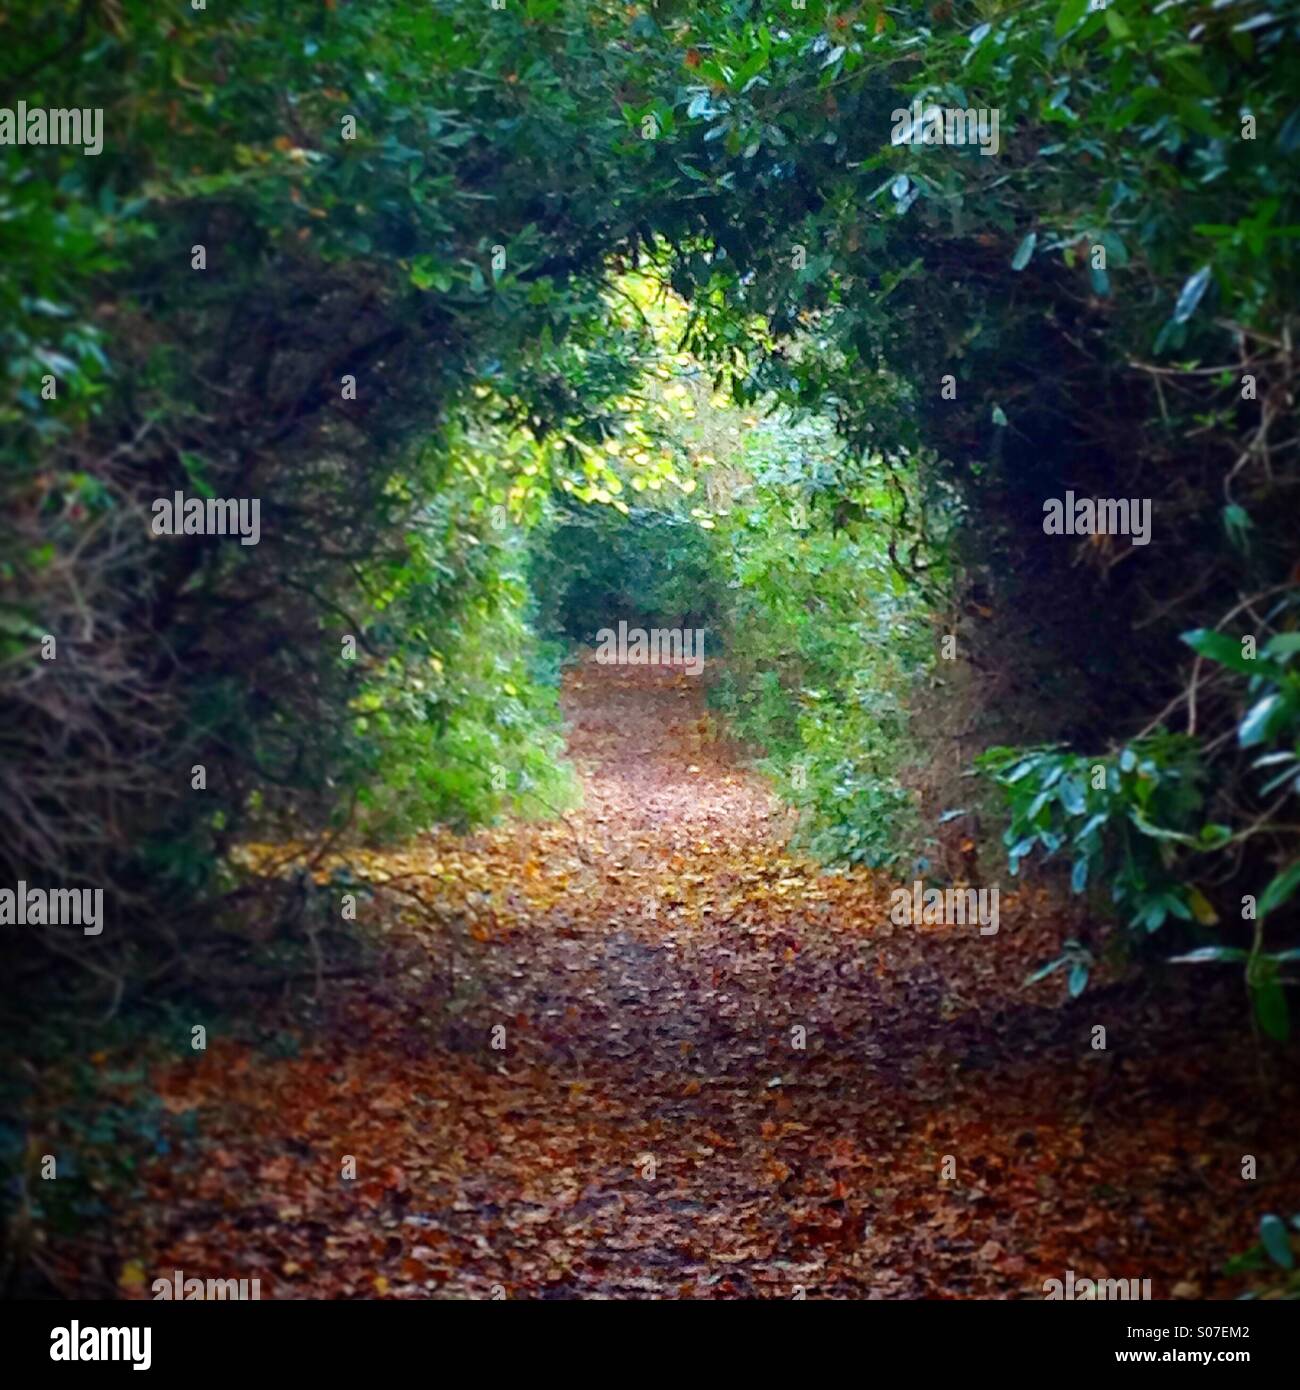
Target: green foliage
[[325, 256], [1273, 1254], [1270, 720], [826, 637], [1272, 714], [1135, 822], [1126, 820], [465, 253], [1076, 960], [591, 567], [459, 723]]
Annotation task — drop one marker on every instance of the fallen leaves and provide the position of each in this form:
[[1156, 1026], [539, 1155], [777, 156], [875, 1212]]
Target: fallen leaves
[[650, 1052]]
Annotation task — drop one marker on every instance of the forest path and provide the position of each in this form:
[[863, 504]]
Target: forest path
[[648, 1120]]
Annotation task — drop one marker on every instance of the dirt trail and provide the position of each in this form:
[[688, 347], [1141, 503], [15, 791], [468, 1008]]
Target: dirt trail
[[652, 1121]]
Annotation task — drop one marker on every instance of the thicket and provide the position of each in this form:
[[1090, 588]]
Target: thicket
[[363, 263]]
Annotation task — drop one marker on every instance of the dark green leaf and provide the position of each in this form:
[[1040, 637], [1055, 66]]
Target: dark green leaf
[[1024, 252], [1275, 1240]]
